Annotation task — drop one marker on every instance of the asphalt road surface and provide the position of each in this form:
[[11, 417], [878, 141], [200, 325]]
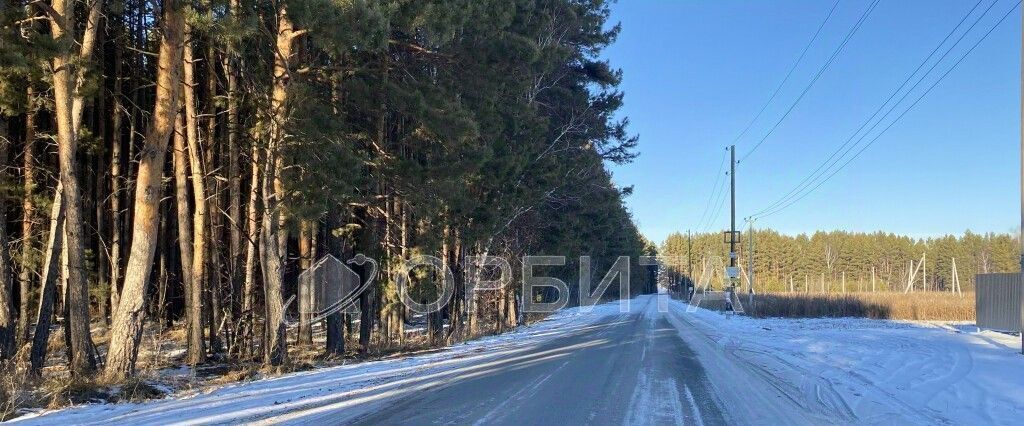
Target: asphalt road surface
[[627, 369]]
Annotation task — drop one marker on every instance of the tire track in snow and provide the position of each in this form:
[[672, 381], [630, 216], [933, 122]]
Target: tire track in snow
[[815, 392], [694, 408]]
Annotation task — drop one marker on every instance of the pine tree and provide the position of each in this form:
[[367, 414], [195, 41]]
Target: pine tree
[[126, 328]]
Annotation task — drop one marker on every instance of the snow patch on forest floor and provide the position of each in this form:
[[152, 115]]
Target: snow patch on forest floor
[[360, 386], [862, 371]]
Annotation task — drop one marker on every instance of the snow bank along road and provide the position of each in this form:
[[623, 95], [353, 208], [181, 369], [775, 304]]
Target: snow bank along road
[[653, 363], [860, 371]]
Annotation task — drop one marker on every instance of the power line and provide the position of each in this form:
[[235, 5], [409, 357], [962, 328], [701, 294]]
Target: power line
[[714, 192], [814, 80], [720, 205], [771, 211], [716, 206], [718, 210], [788, 74], [919, 98], [829, 162]]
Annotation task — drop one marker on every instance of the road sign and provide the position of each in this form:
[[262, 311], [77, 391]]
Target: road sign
[[733, 271]]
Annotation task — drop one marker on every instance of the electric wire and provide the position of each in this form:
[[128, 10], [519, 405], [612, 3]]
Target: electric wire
[[832, 160], [714, 192], [897, 119], [817, 76], [788, 74], [718, 211]]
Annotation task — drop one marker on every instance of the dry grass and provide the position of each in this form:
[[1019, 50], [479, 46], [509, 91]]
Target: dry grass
[[19, 389], [63, 391], [137, 390], [15, 385], [914, 306], [237, 374]]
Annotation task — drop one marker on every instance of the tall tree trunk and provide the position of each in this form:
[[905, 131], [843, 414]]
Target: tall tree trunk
[[67, 114], [305, 260], [275, 350], [252, 235], [27, 216], [163, 317], [101, 252], [366, 314], [193, 294], [126, 330], [99, 209], [117, 229], [273, 238], [234, 182], [48, 283], [336, 321], [214, 282], [403, 251], [335, 334], [234, 171], [89, 39], [8, 327], [198, 176]]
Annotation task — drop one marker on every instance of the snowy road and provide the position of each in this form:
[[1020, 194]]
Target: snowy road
[[611, 365], [631, 368], [653, 363]]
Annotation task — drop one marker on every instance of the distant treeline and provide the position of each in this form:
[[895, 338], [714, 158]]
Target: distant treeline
[[827, 256]]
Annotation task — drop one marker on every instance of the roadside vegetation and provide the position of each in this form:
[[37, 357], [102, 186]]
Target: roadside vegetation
[[920, 306]]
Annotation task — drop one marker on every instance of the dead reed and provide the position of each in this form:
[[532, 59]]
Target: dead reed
[[923, 306]]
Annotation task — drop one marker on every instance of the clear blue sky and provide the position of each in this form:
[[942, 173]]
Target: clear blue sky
[[696, 72]]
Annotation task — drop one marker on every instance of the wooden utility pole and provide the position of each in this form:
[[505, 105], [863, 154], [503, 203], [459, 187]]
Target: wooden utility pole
[[924, 271], [732, 220], [734, 279], [912, 274], [955, 282], [1020, 237]]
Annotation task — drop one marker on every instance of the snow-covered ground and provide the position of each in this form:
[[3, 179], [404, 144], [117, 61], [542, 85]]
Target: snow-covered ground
[[774, 371], [859, 371], [357, 388]]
